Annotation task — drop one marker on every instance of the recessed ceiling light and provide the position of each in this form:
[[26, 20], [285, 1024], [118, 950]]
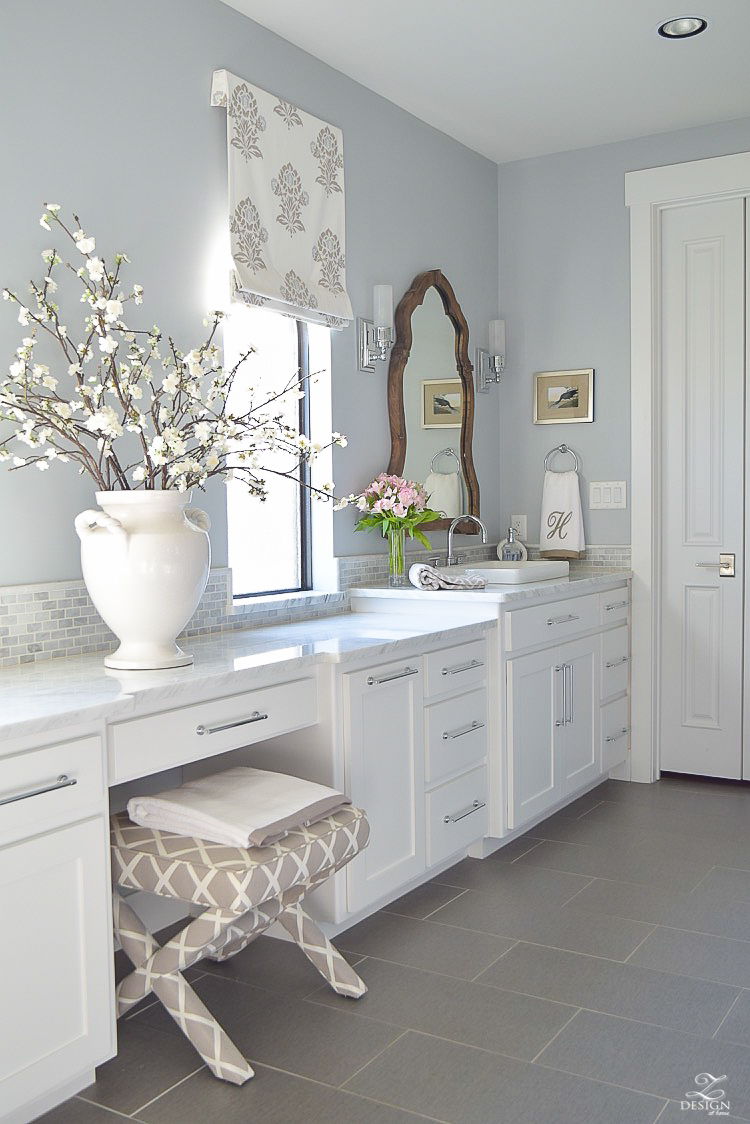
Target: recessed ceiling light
[[683, 27]]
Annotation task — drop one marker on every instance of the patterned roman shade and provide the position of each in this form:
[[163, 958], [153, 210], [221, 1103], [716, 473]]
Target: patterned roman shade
[[286, 204]]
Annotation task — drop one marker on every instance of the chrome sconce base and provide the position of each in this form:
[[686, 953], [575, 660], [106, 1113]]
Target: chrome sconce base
[[373, 344], [488, 369]]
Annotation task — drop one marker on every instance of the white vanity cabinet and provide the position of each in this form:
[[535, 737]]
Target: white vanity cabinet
[[552, 734], [415, 743], [566, 681], [384, 739], [56, 936]]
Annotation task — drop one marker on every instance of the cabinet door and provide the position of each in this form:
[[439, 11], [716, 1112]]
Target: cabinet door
[[56, 952], [535, 716], [384, 736], [579, 742]]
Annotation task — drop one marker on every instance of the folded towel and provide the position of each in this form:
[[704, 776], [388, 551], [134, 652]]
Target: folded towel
[[561, 534], [444, 491], [240, 807], [427, 577]]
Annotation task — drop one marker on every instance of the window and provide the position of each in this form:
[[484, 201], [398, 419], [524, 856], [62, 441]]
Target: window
[[270, 541]]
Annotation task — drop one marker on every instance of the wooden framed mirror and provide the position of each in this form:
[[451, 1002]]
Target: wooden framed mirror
[[431, 392]]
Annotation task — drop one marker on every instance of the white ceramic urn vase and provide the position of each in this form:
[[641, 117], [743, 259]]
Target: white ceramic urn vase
[[145, 559]]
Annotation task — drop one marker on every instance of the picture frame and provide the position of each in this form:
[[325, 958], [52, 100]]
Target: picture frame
[[563, 396], [442, 403]]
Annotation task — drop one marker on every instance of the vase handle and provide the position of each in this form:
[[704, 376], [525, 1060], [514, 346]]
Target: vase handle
[[198, 519], [92, 520]]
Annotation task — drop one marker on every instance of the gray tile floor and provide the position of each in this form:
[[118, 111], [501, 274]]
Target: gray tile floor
[[588, 973]]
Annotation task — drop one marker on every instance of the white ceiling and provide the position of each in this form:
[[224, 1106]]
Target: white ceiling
[[519, 78]]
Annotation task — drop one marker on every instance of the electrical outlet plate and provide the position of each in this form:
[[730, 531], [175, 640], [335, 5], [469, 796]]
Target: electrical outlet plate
[[519, 523]]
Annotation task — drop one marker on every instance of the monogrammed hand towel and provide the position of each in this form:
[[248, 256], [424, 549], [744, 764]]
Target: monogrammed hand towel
[[561, 531]]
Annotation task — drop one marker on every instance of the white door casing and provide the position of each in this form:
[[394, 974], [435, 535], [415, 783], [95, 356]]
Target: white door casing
[[702, 315], [647, 194]]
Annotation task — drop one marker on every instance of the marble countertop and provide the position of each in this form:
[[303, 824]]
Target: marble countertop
[[575, 585], [40, 697]]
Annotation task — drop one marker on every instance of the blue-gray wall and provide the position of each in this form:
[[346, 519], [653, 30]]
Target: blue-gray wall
[[565, 293], [105, 109]]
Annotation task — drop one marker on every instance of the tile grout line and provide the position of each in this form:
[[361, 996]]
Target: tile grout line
[[463, 890], [105, 1108], [580, 890], [343, 1084], [556, 1034], [176, 1085], [351, 1092], [487, 967], [633, 951], [703, 879], [732, 1005], [533, 847]]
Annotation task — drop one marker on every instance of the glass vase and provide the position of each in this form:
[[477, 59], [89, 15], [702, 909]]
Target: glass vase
[[396, 570]]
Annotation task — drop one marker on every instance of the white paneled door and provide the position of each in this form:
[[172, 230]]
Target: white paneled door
[[702, 318]]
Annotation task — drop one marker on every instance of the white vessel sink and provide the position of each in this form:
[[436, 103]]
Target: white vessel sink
[[517, 573]]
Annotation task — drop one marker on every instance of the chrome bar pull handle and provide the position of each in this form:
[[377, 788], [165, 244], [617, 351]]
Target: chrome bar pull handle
[[459, 667], [373, 682], [563, 620], [616, 663], [456, 816], [256, 716], [475, 725], [616, 737], [568, 695], [63, 781], [560, 667], [616, 605]]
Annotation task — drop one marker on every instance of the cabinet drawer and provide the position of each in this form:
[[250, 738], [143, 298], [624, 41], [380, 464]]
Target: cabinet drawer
[[456, 815], [614, 605], [456, 734], [50, 786], [456, 668], [615, 662], [615, 733], [546, 624], [161, 741]]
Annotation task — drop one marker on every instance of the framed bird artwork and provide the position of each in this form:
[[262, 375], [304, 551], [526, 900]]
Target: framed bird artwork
[[563, 396]]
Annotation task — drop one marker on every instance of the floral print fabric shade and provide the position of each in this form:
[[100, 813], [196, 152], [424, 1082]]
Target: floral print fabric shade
[[286, 204]]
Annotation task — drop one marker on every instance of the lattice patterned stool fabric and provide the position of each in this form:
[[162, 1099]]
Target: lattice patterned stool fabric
[[243, 892]]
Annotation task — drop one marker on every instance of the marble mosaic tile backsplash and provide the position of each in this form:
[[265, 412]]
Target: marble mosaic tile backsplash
[[52, 620]]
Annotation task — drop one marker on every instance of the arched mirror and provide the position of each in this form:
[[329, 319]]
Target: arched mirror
[[431, 398]]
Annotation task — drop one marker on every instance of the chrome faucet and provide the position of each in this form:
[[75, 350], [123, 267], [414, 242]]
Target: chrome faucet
[[451, 558]]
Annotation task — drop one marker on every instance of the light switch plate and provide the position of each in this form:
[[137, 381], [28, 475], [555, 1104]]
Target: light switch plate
[[607, 494]]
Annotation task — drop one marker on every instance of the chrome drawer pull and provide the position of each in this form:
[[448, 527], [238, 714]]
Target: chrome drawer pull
[[371, 681], [62, 781], [460, 733], [473, 807], [616, 605], [563, 620], [256, 716], [616, 737], [616, 663], [459, 667]]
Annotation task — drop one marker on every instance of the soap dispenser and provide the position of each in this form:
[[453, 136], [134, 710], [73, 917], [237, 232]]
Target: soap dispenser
[[511, 549]]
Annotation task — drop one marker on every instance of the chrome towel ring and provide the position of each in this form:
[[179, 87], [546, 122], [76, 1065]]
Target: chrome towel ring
[[445, 453], [561, 449]]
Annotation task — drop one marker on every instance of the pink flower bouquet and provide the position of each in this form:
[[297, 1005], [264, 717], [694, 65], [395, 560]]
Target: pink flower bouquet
[[395, 504]]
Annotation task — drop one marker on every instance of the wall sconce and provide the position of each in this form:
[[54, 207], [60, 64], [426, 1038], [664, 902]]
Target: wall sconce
[[375, 337], [491, 364]]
